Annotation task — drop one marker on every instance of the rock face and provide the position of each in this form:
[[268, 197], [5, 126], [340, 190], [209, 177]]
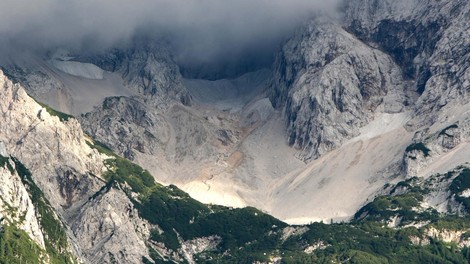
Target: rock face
[[16, 206], [385, 56], [438, 143], [54, 149], [69, 172], [344, 99], [330, 84], [100, 218], [128, 125], [105, 223], [147, 69], [428, 39]]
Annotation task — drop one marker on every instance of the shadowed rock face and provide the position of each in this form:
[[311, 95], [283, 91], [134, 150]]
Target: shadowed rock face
[[65, 163], [427, 39], [329, 78], [331, 83], [147, 68], [127, 125], [100, 222], [229, 69]]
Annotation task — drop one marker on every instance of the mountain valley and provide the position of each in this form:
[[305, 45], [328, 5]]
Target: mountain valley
[[353, 146]]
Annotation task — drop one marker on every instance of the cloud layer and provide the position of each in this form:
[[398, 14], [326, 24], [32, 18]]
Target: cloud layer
[[201, 30]]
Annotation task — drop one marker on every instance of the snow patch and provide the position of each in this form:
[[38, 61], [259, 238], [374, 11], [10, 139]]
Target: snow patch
[[79, 69]]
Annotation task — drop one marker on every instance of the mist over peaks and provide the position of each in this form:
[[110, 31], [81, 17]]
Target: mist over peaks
[[201, 32]]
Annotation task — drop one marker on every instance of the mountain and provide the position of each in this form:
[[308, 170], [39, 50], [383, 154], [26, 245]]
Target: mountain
[[116, 213], [280, 139], [362, 122]]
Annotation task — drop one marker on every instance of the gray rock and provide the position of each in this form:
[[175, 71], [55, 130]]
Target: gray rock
[[331, 83]]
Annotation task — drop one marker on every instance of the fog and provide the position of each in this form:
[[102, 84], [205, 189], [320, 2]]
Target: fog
[[200, 31]]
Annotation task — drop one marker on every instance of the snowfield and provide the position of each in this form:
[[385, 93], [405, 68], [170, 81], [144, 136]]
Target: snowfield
[[79, 69], [79, 87]]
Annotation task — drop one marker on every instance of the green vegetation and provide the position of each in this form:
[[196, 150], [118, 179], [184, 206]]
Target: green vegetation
[[101, 147], [460, 184], [451, 222], [366, 242], [420, 147], [370, 241], [402, 205], [181, 217], [17, 247], [62, 116], [56, 238], [5, 161], [248, 235], [124, 171]]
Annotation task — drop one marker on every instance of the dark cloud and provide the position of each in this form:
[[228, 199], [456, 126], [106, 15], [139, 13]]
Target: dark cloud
[[200, 30]]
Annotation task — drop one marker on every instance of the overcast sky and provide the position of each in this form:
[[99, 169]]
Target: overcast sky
[[202, 29]]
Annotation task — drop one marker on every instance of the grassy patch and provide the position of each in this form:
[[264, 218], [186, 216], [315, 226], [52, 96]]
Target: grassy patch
[[124, 171], [101, 147], [17, 247], [62, 116]]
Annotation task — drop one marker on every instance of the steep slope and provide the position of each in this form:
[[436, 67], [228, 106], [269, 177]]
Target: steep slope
[[29, 228], [186, 145], [14, 195], [349, 106], [398, 55], [126, 217], [428, 39], [148, 69], [27, 127], [331, 85], [53, 146], [360, 95]]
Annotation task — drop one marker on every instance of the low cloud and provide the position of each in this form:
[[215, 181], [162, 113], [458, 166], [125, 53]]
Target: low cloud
[[200, 30]]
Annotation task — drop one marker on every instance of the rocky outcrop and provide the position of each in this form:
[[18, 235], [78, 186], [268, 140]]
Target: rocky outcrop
[[41, 85], [56, 150], [68, 171], [331, 83], [128, 125], [428, 39], [16, 207], [384, 56], [110, 230], [176, 142], [407, 30], [449, 236], [191, 248], [148, 69]]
